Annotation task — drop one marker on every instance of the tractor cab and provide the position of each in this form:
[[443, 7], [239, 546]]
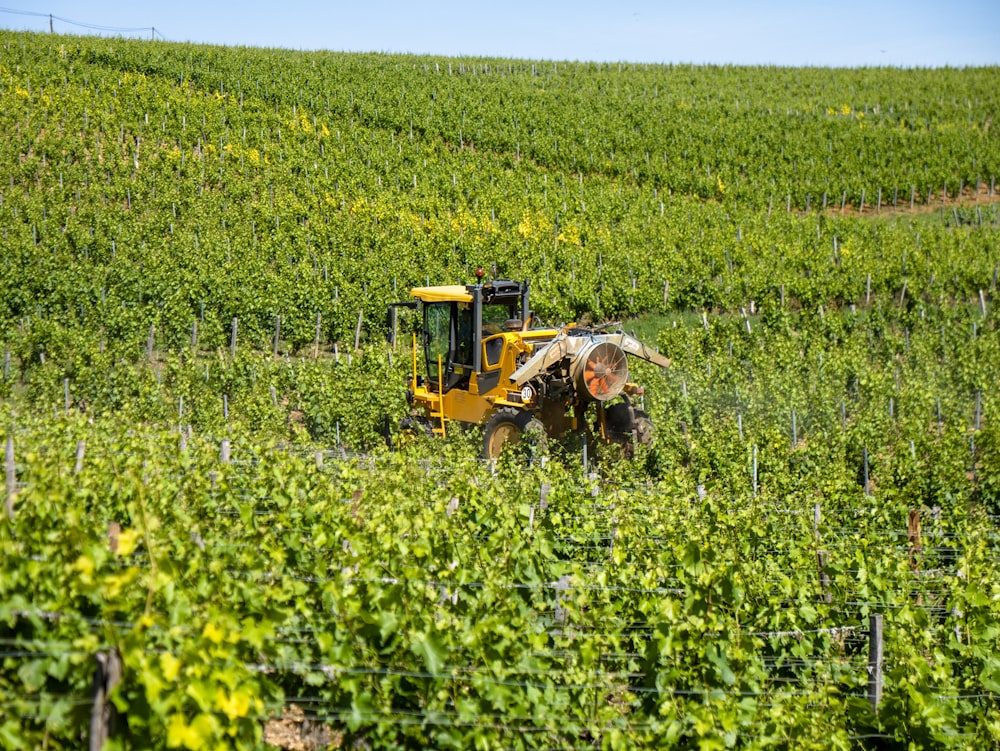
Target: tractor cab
[[458, 322], [472, 335]]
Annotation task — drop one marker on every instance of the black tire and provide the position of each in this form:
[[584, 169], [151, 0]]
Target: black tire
[[417, 424], [620, 427], [644, 429], [413, 428], [509, 427]]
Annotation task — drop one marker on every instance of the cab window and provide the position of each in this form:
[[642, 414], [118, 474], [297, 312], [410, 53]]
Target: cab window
[[493, 349], [437, 325], [495, 318], [464, 342]]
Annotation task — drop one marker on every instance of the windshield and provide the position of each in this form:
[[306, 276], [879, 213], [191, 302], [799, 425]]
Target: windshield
[[437, 328], [449, 333]]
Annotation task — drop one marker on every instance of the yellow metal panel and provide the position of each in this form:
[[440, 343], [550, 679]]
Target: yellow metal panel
[[456, 404], [461, 405], [447, 293]]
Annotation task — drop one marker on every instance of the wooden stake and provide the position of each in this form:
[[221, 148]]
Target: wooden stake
[[824, 578], [103, 717], [81, 447], [11, 474], [913, 537], [875, 652]]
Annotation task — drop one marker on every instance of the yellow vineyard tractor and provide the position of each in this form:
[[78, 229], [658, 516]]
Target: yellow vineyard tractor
[[488, 363]]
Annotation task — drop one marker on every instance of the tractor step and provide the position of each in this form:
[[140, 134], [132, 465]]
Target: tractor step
[[439, 418]]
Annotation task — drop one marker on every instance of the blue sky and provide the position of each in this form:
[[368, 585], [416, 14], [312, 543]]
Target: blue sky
[[916, 33]]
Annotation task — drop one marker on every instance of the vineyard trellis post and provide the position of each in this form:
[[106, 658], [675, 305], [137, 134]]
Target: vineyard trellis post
[[875, 659], [821, 556], [864, 457], [103, 717], [913, 539], [11, 476], [81, 447], [357, 331], [561, 612]]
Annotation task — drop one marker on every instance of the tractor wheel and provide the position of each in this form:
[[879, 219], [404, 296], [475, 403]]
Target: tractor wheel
[[417, 424], [621, 431], [509, 427], [644, 429], [412, 428]]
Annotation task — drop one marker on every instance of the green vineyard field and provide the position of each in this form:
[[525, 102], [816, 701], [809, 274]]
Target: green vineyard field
[[198, 246]]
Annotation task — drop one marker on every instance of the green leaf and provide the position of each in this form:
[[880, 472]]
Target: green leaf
[[692, 558], [432, 650], [361, 710], [33, 675], [808, 613], [716, 654], [990, 676], [388, 623], [315, 678], [10, 734]]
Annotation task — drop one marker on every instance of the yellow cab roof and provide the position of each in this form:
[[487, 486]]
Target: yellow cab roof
[[446, 293]]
